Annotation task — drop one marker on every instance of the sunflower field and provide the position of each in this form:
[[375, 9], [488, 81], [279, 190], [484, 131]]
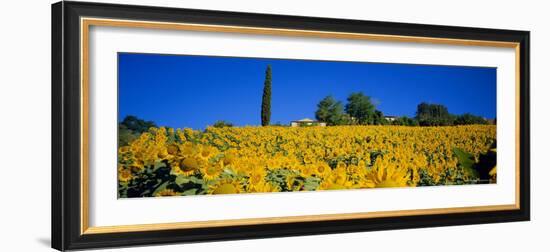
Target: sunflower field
[[170, 162]]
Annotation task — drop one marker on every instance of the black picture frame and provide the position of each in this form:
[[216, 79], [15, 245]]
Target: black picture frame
[[66, 124]]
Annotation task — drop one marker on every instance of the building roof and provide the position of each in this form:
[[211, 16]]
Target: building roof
[[305, 120]]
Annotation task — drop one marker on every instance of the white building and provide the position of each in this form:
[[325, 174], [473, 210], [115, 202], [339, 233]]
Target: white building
[[390, 118], [307, 122]]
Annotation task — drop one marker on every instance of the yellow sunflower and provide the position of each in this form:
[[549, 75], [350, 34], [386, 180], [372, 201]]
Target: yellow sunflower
[[329, 184], [187, 149], [124, 149], [229, 158], [212, 171], [166, 192], [493, 175], [226, 186], [336, 180], [293, 183], [262, 187], [390, 176], [172, 149], [322, 169], [124, 175], [186, 166], [206, 152]]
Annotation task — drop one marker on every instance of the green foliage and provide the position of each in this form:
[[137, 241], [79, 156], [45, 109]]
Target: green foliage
[[347, 120], [279, 177], [182, 180], [466, 162], [438, 115], [156, 178], [469, 170], [311, 183], [222, 124], [358, 110], [137, 125], [266, 98], [361, 108], [125, 135], [478, 170], [147, 183], [468, 118], [153, 181], [405, 121], [378, 118], [162, 187], [291, 180], [330, 111], [426, 179], [433, 115], [131, 127], [447, 177]]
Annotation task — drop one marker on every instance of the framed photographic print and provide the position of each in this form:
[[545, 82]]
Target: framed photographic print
[[180, 125]]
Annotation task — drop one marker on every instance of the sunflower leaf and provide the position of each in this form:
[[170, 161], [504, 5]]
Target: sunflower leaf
[[159, 164], [161, 187], [467, 161], [311, 183], [190, 192], [181, 179]]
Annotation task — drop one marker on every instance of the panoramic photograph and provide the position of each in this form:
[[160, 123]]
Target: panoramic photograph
[[203, 125]]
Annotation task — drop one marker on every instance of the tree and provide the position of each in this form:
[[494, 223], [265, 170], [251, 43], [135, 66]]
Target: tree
[[131, 127], [468, 118], [323, 109], [125, 136], [433, 115], [266, 98], [347, 120], [378, 118], [136, 124], [222, 124], [330, 111], [405, 121], [361, 108]]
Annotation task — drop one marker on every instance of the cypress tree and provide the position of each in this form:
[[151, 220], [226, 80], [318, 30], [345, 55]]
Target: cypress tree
[[266, 98]]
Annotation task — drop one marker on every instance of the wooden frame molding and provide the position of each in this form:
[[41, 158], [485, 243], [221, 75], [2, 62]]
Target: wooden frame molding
[[88, 22], [71, 23]]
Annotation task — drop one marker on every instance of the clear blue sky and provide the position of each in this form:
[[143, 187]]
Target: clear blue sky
[[194, 91]]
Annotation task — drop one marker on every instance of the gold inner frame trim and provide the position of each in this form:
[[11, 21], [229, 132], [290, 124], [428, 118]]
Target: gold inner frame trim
[[86, 23], [279, 220]]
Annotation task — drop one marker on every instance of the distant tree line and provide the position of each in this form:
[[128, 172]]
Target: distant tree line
[[360, 110], [222, 124], [131, 127], [405, 121], [438, 115]]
